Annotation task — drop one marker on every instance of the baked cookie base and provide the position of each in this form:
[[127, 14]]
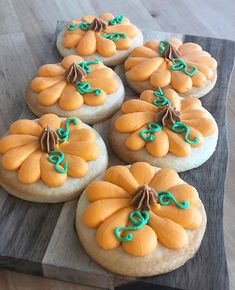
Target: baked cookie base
[[39, 192], [197, 157], [87, 114], [116, 59], [162, 260], [139, 87]]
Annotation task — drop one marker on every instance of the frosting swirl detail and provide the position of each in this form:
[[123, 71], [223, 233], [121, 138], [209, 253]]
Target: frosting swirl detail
[[98, 25], [170, 52], [144, 197], [75, 73], [48, 139], [167, 114]]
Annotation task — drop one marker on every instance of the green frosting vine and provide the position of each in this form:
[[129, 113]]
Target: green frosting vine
[[162, 100], [85, 64], [179, 64], [116, 20], [139, 219], [57, 157], [148, 135], [114, 36], [180, 127], [82, 25], [64, 133], [165, 198], [162, 45], [85, 88]]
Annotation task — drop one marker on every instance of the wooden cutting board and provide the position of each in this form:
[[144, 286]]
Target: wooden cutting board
[[40, 238]]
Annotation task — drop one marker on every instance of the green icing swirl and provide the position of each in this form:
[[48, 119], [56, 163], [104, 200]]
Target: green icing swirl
[[148, 135], [139, 219], [85, 87], [114, 36], [64, 134], [162, 45], [180, 127], [162, 100], [116, 20], [165, 198], [57, 157], [85, 64], [179, 64], [82, 25]]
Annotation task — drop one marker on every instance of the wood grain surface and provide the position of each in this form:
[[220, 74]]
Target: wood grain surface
[[26, 32]]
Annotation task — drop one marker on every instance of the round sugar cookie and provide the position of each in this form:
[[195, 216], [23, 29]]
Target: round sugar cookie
[[140, 220], [85, 89], [50, 159], [164, 130], [184, 67], [108, 37]]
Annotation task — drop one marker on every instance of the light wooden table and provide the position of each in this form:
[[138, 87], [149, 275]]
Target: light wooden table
[[26, 31]]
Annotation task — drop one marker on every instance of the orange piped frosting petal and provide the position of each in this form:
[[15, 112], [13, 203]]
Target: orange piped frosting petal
[[42, 83], [52, 94], [30, 169], [104, 190], [78, 167], [84, 149], [51, 70], [14, 157], [164, 179], [49, 176], [97, 211], [143, 243], [133, 121], [11, 141], [27, 127], [122, 177], [169, 233], [83, 134], [142, 172], [70, 98], [51, 120], [105, 46], [105, 237], [87, 44]]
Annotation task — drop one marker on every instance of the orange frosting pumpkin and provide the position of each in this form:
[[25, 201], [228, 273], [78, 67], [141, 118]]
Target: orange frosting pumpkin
[[171, 63], [186, 115], [124, 190], [95, 37], [74, 82], [29, 145]]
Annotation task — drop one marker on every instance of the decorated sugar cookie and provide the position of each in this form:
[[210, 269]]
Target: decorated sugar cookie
[[86, 89], [165, 130], [108, 37], [140, 220], [170, 63], [50, 159]]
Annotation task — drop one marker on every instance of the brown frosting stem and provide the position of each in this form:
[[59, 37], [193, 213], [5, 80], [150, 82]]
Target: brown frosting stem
[[75, 73], [98, 24], [170, 52], [167, 114], [144, 197], [48, 139]]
